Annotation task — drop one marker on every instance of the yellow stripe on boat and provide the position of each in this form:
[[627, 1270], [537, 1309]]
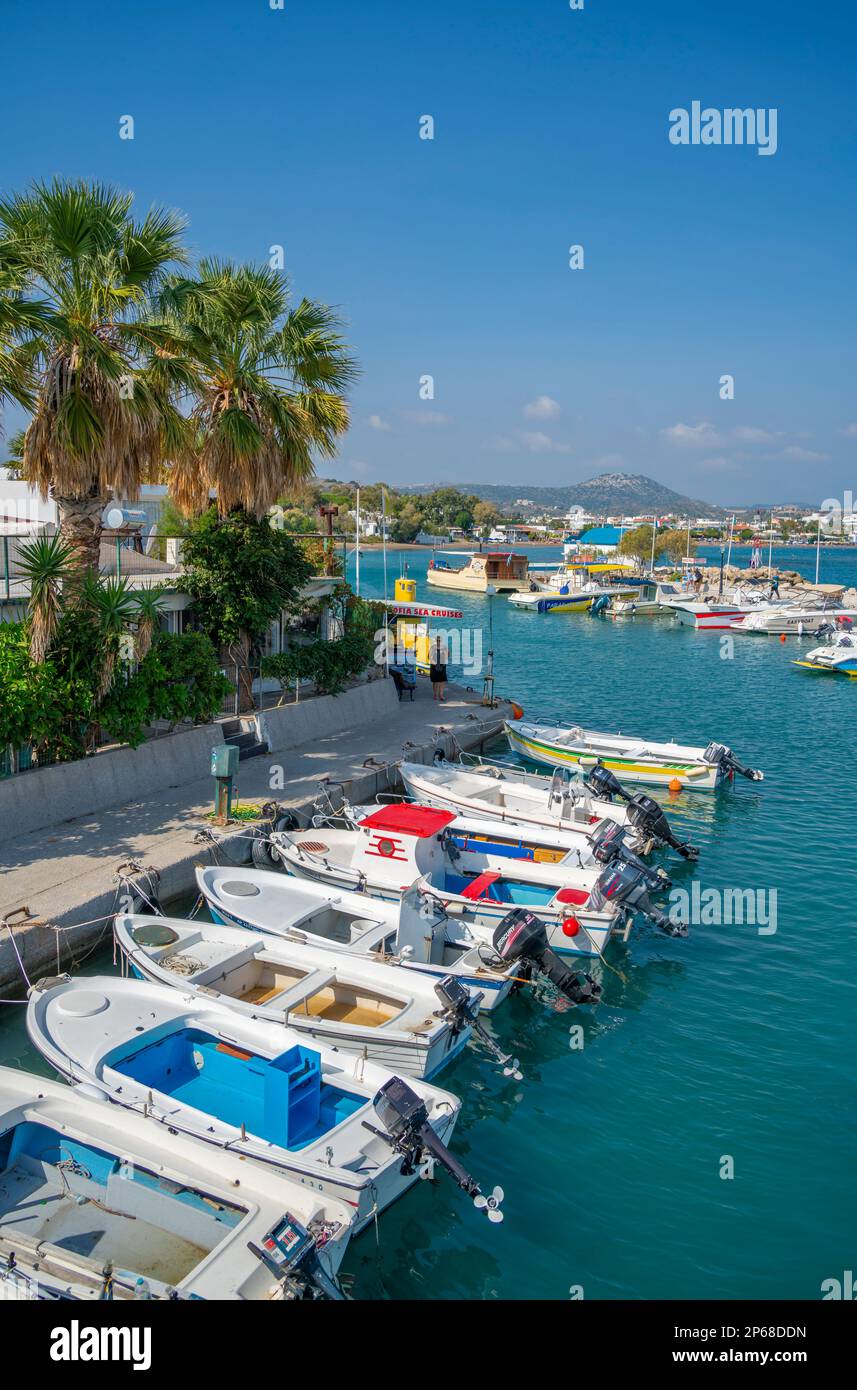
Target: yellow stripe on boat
[[623, 764]]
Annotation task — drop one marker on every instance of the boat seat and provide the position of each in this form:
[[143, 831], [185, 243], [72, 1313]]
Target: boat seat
[[480, 885], [573, 895]]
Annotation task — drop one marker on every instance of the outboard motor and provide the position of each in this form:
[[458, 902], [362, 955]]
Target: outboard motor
[[290, 1251], [649, 821], [461, 1010], [407, 1130], [719, 753], [622, 885], [522, 936], [643, 812], [609, 846], [605, 784]]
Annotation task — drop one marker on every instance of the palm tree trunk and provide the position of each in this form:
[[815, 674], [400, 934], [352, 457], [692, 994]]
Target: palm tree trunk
[[80, 526]]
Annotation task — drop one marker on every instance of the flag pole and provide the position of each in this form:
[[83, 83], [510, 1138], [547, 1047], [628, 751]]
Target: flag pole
[[357, 549]]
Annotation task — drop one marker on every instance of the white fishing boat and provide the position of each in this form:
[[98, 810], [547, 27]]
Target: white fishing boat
[[572, 848], [415, 935], [354, 1003], [325, 1118], [795, 620], [632, 759], [539, 801], [499, 571], [398, 845], [99, 1203], [837, 657], [652, 598]]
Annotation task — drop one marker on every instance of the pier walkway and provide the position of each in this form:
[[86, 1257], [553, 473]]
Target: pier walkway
[[54, 879]]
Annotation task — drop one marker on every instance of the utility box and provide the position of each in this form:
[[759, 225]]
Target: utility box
[[224, 760]]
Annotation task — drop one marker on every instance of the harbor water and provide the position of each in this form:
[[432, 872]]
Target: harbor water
[[693, 1136]]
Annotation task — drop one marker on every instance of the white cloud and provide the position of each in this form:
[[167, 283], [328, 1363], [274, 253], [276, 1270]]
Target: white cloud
[[376, 423], [692, 436], [538, 443], [425, 418], [542, 408], [795, 454], [750, 435], [850, 431]]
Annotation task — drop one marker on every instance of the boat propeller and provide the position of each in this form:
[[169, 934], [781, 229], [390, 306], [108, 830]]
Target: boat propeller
[[407, 1130], [643, 812], [719, 753], [522, 936], [461, 1010]]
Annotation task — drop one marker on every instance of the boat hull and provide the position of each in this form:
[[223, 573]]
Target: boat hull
[[626, 769]]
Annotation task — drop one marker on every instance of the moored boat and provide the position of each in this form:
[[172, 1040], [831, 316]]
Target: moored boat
[[245, 1085], [631, 759], [99, 1203], [499, 571], [547, 802], [356, 1004], [836, 658], [398, 845], [414, 935]]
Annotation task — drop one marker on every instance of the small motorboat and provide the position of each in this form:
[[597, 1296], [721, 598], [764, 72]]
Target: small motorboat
[[399, 845], [415, 934], [354, 1003], [559, 802], [631, 759], [97, 1203], [350, 1130], [838, 657], [796, 620]]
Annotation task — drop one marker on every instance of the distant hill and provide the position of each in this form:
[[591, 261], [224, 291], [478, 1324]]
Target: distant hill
[[631, 494]]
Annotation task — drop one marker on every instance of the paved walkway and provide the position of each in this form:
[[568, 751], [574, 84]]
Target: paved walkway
[[65, 875]]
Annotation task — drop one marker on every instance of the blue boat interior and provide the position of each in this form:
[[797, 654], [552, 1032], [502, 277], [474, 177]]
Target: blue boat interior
[[504, 890], [281, 1099], [506, 849]]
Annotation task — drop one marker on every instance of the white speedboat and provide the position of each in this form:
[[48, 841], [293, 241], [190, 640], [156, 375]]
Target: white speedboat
[[324, 1118], [631, 759], [652, 598], [399, 845], [838, 657], [413, 935], [354, 1003], [568, 847], [99, 1203], [795, 620], [533, 801], [573, 587]]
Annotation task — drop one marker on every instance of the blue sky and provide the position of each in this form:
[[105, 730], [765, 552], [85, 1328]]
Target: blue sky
[[449, 257]]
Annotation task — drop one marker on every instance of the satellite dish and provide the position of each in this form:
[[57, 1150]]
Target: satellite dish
[[113, 518]]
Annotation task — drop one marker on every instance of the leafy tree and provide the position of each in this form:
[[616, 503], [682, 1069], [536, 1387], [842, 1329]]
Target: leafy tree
[[241, 573], [266, 387], [80, 273]]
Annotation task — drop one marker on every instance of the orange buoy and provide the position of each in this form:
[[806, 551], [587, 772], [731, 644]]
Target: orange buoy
[[675, 785], [517, 710], [782, 637]]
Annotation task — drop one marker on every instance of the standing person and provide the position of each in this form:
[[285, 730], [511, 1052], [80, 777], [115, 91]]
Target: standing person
[[437, 669]]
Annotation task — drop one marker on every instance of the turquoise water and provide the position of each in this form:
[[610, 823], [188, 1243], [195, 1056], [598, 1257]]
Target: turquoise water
[[729, 1043]]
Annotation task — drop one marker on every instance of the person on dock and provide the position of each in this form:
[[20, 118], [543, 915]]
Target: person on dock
[[437, 669]]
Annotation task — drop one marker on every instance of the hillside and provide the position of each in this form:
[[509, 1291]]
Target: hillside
[[631, 494]]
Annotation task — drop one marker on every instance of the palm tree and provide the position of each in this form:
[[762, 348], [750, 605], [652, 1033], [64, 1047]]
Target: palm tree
[[86, 340], [114, 607], [146, 615], [267, 388], [46, 563]]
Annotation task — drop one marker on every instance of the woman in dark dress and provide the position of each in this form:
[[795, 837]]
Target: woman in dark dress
[[437, 669]]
